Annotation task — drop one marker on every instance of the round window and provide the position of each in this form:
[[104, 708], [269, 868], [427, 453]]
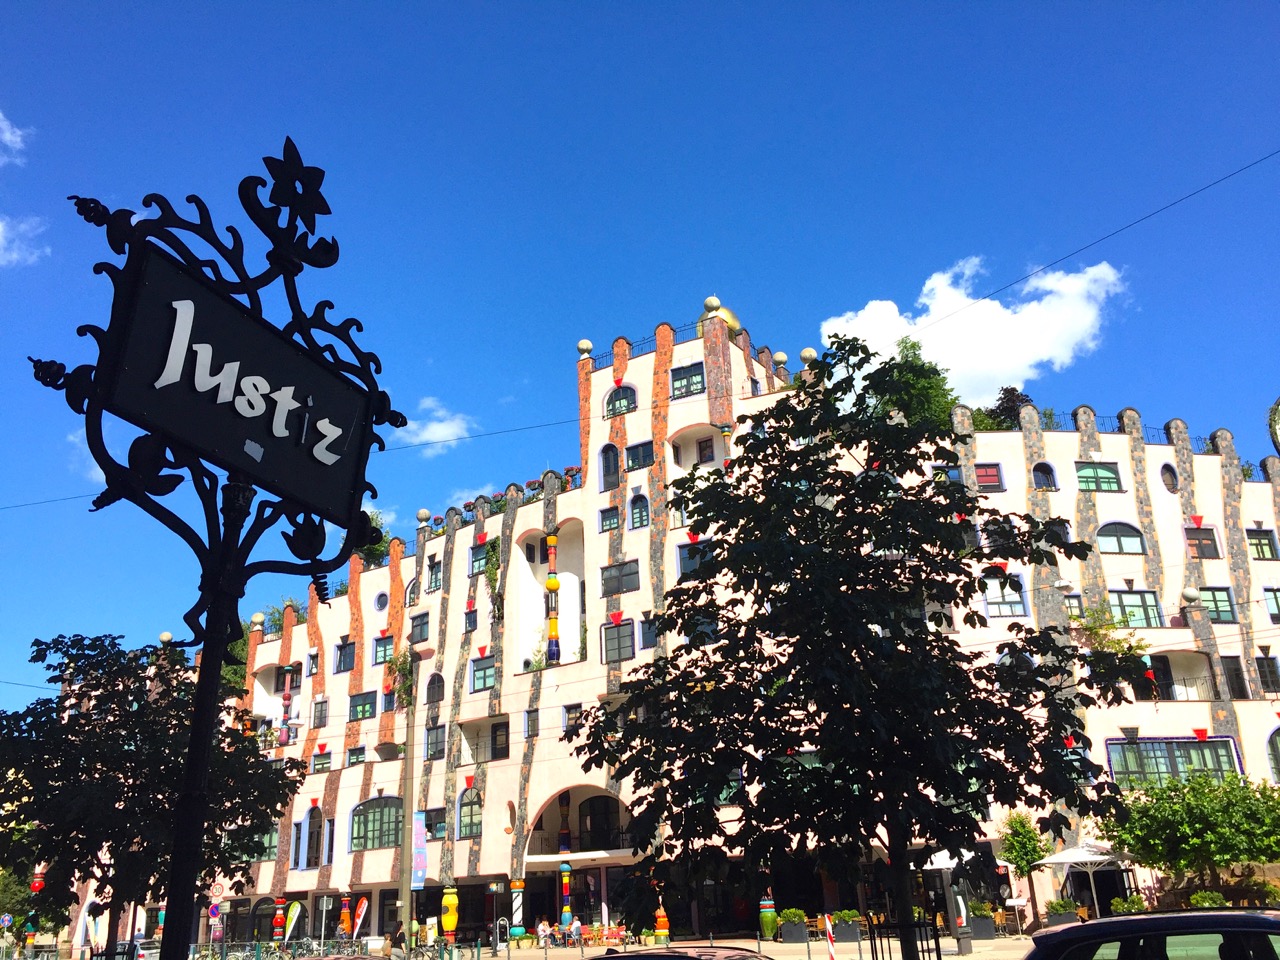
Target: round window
[[1170, 478], [380, 601]]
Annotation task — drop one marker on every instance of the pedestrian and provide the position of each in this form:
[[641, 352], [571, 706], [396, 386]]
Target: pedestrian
[[397, 942], [544, 931], [575, 931]]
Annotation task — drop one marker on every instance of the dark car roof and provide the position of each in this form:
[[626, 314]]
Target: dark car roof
[[681, 951], [1135, 925]]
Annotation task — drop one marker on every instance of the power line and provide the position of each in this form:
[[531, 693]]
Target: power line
[[937, 320]]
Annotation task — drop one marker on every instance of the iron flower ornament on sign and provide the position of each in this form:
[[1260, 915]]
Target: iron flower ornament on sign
[[190, 359]]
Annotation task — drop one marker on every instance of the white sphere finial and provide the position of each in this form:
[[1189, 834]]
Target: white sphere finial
[[1191, 595], [166, 637], [711, 304], [584, 348], [808, 355], [257, 619], [780, 358], [424, 515]]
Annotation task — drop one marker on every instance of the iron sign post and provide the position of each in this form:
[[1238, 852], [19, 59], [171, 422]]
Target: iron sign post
[[190, 359]]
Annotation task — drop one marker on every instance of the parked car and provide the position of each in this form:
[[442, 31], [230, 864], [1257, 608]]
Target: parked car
[[1176, 935], [690, 951], [148, 950]]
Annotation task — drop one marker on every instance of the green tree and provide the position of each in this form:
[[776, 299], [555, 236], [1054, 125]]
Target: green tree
[[1003, 414], [1200, 825], [818, 666], [923, 394], [1022, 845], [375, 554], [95, 769]]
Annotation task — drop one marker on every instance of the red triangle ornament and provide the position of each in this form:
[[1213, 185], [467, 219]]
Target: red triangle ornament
[[616, 617], [481, 538], [693, 537]]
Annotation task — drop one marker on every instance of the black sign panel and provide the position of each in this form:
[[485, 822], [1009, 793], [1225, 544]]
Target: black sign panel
[[184, 361]]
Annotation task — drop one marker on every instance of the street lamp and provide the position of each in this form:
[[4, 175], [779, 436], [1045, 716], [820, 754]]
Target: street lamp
[[408, 794]]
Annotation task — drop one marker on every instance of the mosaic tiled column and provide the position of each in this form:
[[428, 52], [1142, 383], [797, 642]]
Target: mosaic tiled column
[[553, 603]]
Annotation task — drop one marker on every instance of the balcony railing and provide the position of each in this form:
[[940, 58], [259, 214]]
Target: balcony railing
[[549, 843], [1182, 689]]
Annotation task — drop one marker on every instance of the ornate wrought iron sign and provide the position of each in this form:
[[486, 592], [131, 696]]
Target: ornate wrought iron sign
[[191, 360]]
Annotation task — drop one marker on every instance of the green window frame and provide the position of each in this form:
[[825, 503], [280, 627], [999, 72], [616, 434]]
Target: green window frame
[[377, 824], [1098, 477], [363, 706]]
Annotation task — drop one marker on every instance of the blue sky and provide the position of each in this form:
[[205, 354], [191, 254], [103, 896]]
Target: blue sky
[[508, 178]]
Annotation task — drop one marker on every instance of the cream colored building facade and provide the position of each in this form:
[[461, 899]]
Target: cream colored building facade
[[1187, 551]]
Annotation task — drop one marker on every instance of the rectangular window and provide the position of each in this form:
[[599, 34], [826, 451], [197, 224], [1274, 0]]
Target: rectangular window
[[363, 706], [618, 642], [419, 628], [1098, 477], [320, 762], [572, 719], [1233, 670], [1164, 760], [344, 656], [435, 823], [482, 674], [648, 634], [1217, 603], [1202, 543], [269, 845], [313, 662], [640, 455], [989, 478], [434, 574], [530, 724], [500, 741], [384, 649], [1262, 544], [296, 847], [620, 578], [1002, 602], [608, 519], [328, 843], [686, 381], [1075, 605], [1268, 674], [469, 621], [755, 387], [320, 713], [282, 677], [355, 756], [947, 473], [1272, 595], [1135, 608], [434, 747], [1062, 528], [706, 450], [389, 701], [478, 556], [675, 454], [692, 556]]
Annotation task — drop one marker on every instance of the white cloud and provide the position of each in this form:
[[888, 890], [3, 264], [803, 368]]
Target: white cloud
[[17, 241], [12, 142], [1053, 318], [441, 429], [463, 495], [82, 461]]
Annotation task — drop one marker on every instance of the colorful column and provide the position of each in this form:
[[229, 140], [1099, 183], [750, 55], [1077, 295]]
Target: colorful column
[[449, 914], [566, 912], [517, 907], [661, 927], [344, 918], [286, 699], [768, 918], [553, 603], [277, 922]]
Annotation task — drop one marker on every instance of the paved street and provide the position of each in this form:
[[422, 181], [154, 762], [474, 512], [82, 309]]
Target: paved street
[[1002, 948]]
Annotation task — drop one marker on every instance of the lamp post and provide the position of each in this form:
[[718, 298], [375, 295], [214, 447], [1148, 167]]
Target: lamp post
[[408, 796]]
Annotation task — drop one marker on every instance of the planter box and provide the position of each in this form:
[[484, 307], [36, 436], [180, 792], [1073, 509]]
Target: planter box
[[984, 928], [1061, 919], [846, 932], [793, 932]]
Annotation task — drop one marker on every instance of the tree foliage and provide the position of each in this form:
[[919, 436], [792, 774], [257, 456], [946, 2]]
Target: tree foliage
[[95, 772], [818, 663], [1022, 845], [1200, 825], [923, 394], [375, 554], [1003, 414]]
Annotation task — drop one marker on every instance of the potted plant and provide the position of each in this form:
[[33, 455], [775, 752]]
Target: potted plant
[[792, 926], [1061, 911], [525, 941], [1130, 904], [982, 920], [646, 936], [845, 927], [1208, 898]]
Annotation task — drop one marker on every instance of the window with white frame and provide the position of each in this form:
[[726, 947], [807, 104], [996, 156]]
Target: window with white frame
[[1004, 600]]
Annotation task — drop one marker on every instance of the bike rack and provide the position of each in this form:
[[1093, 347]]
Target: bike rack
[[498, 938]]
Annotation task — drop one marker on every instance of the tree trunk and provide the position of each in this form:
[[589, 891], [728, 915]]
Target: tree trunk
[[1031, 892], [113, 926], [900, 883]]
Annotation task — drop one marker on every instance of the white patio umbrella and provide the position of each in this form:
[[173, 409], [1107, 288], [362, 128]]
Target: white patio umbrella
[[1089, 857]]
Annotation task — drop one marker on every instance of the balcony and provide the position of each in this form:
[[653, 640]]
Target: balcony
[[548, 844], [1180, 689]]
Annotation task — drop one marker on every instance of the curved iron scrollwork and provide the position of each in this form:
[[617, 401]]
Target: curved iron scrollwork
[[157, 464]]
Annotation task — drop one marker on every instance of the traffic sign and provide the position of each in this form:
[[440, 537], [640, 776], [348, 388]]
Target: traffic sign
[[217, 890], [213, 911], [6, 920]]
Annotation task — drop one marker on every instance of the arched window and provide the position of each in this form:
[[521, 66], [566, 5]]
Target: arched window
[[1119, 538], [1169, 477], [639, 512], [1273, 751], [609, 466], [1043, 477], [435, 688], [620, 401], [469, 814], [377, 823], [315, 831], [411, 593]]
